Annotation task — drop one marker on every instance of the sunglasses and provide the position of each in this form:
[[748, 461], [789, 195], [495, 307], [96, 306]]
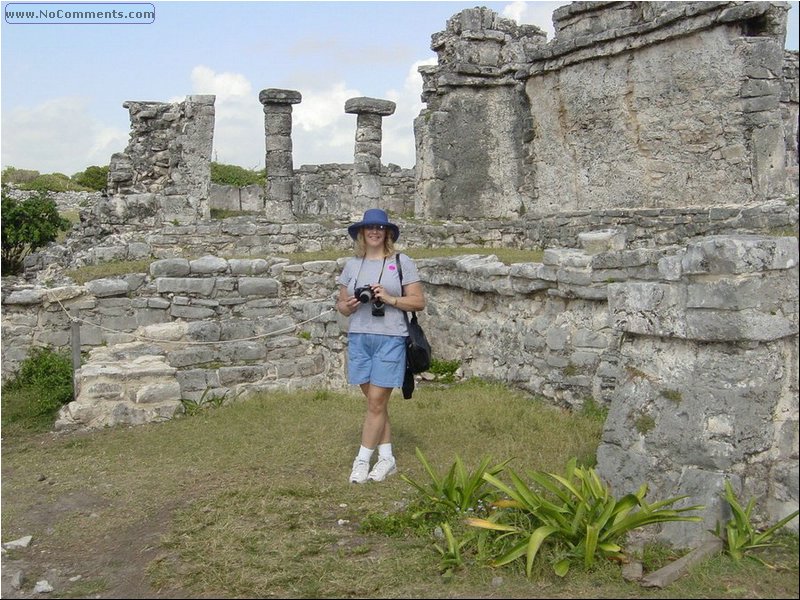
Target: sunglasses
[[375, 227]]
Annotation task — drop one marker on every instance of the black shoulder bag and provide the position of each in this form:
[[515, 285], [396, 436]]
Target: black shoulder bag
[[418, 350]]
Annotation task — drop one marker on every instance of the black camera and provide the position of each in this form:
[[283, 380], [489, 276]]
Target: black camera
[[364, 295]]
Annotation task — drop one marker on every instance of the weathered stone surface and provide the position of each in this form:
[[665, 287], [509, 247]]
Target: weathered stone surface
[[374, 106], [276, 96]]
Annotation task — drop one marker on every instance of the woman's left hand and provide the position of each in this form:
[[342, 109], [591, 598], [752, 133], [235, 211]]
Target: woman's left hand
[[380, 293]]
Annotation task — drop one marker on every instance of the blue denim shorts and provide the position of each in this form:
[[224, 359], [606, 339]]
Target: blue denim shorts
[[376, 359]]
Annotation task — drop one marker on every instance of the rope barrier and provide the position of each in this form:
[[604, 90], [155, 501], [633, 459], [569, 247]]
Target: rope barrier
[[143, 338]]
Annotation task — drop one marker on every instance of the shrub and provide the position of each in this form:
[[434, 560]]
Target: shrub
[[41, 386], [236, 176], [445, 370], [19, 176], [95, 178], [27, 226], [52, 182], [29, 179]]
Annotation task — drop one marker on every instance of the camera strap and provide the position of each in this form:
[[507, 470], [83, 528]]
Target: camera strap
[[383, 266]]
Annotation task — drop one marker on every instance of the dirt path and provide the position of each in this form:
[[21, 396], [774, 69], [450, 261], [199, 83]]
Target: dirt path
[[114, 567]]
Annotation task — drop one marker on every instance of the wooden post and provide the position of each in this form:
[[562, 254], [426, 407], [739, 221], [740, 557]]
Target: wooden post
[[76, 354]]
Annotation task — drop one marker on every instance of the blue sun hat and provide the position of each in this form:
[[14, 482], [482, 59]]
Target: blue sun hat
[[374, 216]]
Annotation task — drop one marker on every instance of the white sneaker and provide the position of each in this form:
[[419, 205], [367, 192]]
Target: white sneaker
[[360, 471], [383, 468]]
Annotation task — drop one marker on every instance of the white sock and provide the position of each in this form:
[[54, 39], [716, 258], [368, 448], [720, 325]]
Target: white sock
[[385, 450], [365, 454]]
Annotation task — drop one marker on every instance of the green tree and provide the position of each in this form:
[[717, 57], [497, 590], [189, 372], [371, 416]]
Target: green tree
[[27, 226], [93, 177]]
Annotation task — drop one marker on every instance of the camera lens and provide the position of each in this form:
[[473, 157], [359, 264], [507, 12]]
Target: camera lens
[[364, 294]]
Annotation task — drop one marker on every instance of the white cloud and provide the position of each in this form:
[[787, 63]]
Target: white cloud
[[533, 13], [321, 109], [58, 135], [398, 130], [238, 117], [321, 131]]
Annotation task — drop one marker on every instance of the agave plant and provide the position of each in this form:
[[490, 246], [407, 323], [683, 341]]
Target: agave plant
[[577, 512], [457, 491], [740, 535]]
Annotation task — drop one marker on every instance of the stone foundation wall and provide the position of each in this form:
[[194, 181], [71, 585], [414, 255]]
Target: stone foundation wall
[[257, 236]]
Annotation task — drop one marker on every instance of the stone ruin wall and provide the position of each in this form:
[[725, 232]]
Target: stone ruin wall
[[699, 340], [651, 299], [164, 173], [322, 191], [632, 105]]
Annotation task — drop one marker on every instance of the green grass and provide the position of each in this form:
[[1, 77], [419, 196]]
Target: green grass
[[108, 269], [111, 269], [252, 499]]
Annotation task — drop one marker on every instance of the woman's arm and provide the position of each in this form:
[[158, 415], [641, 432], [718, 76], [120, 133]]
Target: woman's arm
[[413, 298]]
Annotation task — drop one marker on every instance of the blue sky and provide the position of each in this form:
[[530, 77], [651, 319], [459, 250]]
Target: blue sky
[[63, 85]]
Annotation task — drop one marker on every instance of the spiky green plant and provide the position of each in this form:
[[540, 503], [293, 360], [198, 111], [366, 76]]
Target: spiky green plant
[[450, 550], [575, 512], [740, 535], [457, 491]]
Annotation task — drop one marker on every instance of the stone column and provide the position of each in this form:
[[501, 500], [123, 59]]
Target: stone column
[[367, 159], [278, 132]]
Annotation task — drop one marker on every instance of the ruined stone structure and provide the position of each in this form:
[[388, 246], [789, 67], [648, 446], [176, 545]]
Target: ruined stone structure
[[280, 167], [633, 104], [164, 173], [367, 163], [650, 149]]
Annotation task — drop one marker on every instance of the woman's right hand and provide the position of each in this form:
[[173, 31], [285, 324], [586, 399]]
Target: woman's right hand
[[348, 305]]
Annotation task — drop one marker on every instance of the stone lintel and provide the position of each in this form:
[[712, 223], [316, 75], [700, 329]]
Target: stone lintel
[[363, 105], [275, 96]]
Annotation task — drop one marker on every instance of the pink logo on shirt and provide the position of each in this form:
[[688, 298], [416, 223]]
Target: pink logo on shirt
[[392, 268]]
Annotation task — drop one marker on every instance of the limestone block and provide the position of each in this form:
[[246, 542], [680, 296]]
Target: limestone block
[[25, 297], [185, 285], [191, 312], [248, 266], [208, 265], [233, 375], [739, 254], [102, 288], [156, 393], [278, 96], [604, 240], [364, 105], [648, 308], [191, 356], [170, 267], [259, 286]]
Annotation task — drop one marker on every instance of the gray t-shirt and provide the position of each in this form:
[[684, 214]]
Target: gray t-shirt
[[359, 272]]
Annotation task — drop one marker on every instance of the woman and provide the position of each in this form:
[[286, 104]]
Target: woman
[[371, 295]]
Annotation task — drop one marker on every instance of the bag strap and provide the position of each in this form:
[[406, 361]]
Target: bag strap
[[402, 292]]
